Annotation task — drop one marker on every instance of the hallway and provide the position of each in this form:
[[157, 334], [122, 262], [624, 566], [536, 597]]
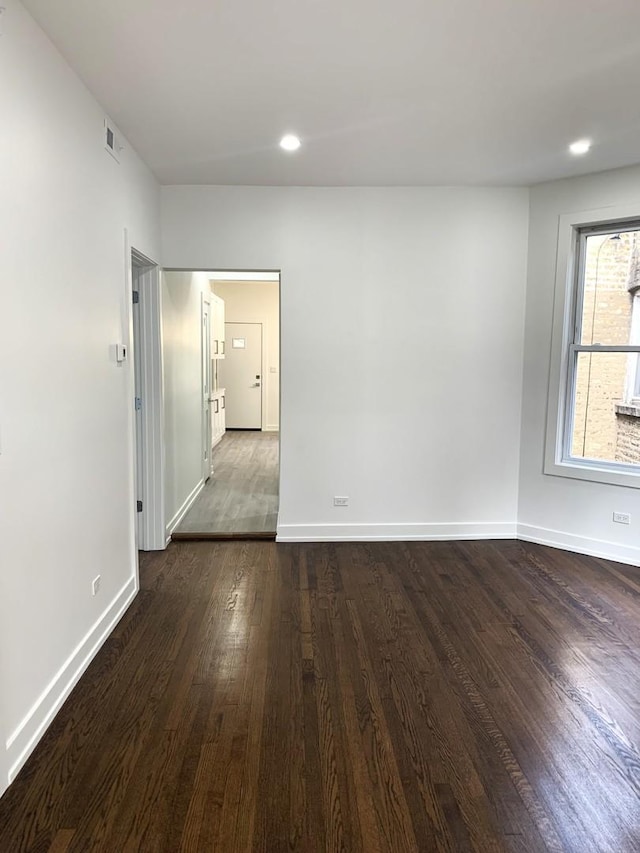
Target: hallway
[[241, 497]]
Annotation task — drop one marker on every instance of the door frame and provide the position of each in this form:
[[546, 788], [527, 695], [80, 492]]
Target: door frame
[[150, 461]]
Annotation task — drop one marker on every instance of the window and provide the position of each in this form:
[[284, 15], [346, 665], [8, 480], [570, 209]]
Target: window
[[594, 421]]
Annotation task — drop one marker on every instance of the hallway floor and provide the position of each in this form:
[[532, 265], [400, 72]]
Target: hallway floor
[[241, 497]]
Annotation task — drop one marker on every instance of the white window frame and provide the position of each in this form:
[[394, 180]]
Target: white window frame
[[564, 349]]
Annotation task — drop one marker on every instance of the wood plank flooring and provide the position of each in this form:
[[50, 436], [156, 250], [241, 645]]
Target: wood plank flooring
[[478, 696], [241, 497]]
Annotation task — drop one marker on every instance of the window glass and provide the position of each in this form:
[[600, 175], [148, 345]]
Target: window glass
[[597, 429], [604, 419], [606, 300]]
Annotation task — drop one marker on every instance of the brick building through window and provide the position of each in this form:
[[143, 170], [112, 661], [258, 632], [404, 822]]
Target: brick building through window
[[606, 410]]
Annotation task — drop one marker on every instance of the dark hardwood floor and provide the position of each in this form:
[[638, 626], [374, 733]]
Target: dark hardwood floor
[[477, 696]]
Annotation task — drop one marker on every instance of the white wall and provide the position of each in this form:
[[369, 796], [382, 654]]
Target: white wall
[[258, 302], [402, 333], [182, 349], [66, 475], [558, 510]]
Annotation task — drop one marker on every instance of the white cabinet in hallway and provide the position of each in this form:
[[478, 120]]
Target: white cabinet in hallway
[[218, 415], [217, 327]]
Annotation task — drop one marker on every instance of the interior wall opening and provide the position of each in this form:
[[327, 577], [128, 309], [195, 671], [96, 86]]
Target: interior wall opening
[[222, 403]]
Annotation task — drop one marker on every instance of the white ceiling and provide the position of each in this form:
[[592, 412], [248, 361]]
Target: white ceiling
[[396, 92]]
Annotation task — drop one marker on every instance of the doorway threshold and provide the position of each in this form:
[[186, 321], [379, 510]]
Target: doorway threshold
[[224, 537]]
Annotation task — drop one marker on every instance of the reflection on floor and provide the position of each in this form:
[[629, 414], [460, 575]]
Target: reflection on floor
[[368, 697], [242, 495]]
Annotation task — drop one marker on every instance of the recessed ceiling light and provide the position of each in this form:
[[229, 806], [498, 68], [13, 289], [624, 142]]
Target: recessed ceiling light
[[580, 147], [290, 142]]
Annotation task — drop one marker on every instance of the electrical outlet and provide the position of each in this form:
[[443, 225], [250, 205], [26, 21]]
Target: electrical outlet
[[95, 586], [338, 501], [622, 518]]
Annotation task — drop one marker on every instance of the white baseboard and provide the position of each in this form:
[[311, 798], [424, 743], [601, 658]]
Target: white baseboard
[[451, 531], [580, 544], [184, 509], [23, 740], [394, 532]]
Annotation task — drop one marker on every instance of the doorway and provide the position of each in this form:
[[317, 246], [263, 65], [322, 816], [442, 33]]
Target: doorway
[[237, 494]]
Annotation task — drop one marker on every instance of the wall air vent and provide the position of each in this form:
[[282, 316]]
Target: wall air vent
[[112, 140]]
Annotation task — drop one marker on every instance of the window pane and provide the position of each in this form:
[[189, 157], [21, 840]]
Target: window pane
[[604, 426], [611, 274]]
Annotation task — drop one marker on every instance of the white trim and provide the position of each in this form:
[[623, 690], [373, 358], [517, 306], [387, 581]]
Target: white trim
[[186, 506], [628, 554], [271, 428], [394, 532], [562, 333], [23, 740]]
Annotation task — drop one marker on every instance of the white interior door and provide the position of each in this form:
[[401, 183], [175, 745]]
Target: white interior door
[[241, 375], [145, 363], [136, 274]]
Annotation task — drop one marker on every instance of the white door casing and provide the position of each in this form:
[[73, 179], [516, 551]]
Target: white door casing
[[241, 375]]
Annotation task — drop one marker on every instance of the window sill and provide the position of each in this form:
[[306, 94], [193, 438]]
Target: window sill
[[631, 410], [595, 472]]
